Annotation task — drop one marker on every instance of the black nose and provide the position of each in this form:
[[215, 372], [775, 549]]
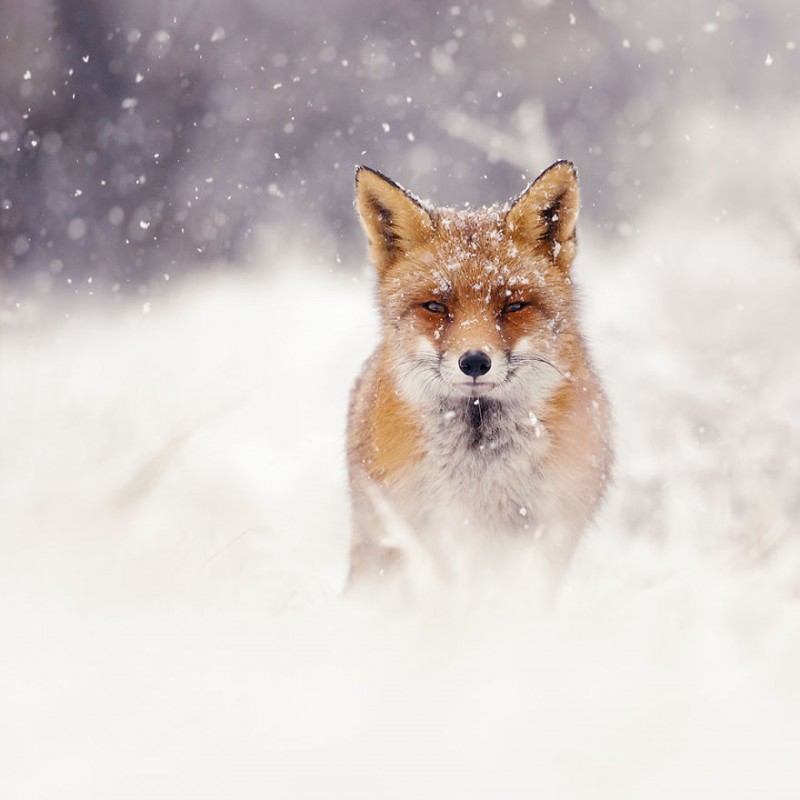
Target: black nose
[[475, 363]]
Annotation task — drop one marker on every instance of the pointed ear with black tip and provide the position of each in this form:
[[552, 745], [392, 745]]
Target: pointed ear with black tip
[[547, 211], [394, 220]]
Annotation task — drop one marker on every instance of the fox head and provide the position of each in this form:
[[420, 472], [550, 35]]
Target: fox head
[[476, 303]]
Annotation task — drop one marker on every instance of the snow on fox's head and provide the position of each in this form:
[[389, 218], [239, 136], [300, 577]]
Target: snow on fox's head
[[480, 301]]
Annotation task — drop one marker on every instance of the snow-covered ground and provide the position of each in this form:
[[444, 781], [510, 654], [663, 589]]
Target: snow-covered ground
[[173, 540]]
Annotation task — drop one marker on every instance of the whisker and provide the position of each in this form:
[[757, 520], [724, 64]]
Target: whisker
[[425, 367], [520, 360]]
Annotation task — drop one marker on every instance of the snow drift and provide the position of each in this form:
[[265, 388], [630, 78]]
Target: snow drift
[[173, 542]]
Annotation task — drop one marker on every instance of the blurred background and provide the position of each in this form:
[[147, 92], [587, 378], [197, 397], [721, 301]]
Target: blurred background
[[140, 141], [185, 301]]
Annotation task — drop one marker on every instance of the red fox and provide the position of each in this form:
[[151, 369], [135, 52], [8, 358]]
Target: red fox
[[480, 407]]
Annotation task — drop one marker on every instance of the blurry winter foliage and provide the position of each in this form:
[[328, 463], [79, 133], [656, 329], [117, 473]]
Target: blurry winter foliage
[[141, 139]]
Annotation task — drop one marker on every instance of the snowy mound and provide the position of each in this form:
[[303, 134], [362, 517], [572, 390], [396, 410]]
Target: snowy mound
[[173, 542]]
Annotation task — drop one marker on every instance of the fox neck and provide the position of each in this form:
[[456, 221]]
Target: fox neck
[[478, 424]]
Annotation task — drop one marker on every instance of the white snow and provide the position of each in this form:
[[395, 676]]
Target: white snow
[[173, 539]]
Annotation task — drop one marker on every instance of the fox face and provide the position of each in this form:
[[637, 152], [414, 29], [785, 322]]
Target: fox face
[[477, 303]]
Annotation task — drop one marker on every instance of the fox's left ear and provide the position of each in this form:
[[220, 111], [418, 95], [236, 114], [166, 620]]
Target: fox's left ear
[[547, 211], [394, 220]]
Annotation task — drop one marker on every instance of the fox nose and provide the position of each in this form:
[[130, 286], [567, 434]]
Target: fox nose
[[474, 363]]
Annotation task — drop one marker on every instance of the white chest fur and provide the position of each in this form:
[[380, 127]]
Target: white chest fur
[[482, 468]]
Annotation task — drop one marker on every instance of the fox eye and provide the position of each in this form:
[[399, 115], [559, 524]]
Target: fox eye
[[434, 307], [512, 307]]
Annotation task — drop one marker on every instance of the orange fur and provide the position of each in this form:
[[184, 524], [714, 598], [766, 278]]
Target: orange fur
[[533, 431]]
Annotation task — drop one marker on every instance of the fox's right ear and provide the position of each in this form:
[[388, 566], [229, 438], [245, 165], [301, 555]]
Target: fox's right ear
[[393, 218]]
